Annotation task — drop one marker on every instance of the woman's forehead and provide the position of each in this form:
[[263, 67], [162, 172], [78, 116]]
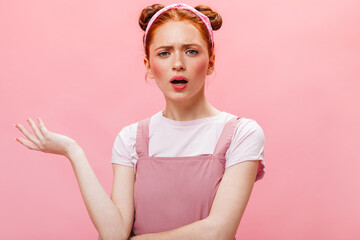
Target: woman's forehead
[[176, 33]]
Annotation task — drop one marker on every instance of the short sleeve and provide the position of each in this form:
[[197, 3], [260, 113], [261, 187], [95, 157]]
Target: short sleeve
[[123, 151], [247, 144]]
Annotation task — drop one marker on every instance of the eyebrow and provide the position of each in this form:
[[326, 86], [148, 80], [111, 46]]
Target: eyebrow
[[183, 46]]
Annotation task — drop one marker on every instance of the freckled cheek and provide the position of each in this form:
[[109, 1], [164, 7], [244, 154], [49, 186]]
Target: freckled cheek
[[157, 70], [159, 74], [201, 68]]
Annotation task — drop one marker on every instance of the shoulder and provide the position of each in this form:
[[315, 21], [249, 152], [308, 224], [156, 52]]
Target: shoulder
[[248, 143], [248, 132], [243, 123], [124, 147], [247, 135], [248, 124], [128, 132]]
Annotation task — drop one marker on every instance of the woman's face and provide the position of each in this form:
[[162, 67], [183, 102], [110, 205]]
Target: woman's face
[[177, 49]]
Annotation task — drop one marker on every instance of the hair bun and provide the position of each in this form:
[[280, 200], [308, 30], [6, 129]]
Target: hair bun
[[147, 13], [214, 17]]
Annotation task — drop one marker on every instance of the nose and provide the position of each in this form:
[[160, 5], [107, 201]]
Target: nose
[[178, 63]]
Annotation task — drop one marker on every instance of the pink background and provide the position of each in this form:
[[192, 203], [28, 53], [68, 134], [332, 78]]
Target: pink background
[[293, 66]]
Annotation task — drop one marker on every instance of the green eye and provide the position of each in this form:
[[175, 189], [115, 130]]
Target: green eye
[[161, 54], [193, 51]]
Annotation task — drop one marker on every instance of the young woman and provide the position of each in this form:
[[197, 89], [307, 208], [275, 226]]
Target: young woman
[[186, 172]]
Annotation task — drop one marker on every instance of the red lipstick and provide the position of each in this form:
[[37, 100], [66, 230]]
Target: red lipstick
[[179, 82]]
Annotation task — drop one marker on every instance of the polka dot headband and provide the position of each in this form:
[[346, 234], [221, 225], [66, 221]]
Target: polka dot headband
[[203, 17]]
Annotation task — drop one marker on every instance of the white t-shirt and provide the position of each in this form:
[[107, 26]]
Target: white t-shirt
[[171, 138]]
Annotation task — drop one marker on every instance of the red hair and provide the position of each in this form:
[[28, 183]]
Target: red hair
[[179, 15]]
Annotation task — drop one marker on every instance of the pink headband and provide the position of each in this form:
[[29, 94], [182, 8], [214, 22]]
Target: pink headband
[[203, 17]]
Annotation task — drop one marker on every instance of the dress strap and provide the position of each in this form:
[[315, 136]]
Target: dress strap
[[142, 138], [226, 136]]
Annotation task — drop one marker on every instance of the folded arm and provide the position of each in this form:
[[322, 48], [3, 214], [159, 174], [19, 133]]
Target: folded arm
[[226, 212]]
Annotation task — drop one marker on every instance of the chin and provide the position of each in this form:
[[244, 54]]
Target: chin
[[182, 97], [177, 97]]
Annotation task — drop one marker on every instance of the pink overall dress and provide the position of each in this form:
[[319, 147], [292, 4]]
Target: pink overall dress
[[171, 192]]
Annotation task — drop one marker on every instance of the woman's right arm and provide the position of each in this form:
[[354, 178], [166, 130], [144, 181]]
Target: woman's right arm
[[112, 218]]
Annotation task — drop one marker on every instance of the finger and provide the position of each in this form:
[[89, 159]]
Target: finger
[[27, 143], [36, 130], [42, 126], [28, 134]]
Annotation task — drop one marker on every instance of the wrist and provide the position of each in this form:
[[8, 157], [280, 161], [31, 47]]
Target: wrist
[[72, 151]]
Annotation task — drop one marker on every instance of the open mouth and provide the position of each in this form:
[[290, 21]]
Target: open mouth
[[179, 81]]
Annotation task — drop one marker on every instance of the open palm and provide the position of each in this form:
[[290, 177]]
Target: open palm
[[44, 140]]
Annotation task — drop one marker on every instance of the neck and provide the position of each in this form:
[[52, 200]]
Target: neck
[[190, 109]]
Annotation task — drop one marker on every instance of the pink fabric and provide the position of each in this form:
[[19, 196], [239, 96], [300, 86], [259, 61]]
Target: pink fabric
[[202, 16], [171, 192]]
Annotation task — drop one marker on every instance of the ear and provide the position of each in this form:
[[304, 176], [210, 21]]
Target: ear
[[211, 65], [148, 68]]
